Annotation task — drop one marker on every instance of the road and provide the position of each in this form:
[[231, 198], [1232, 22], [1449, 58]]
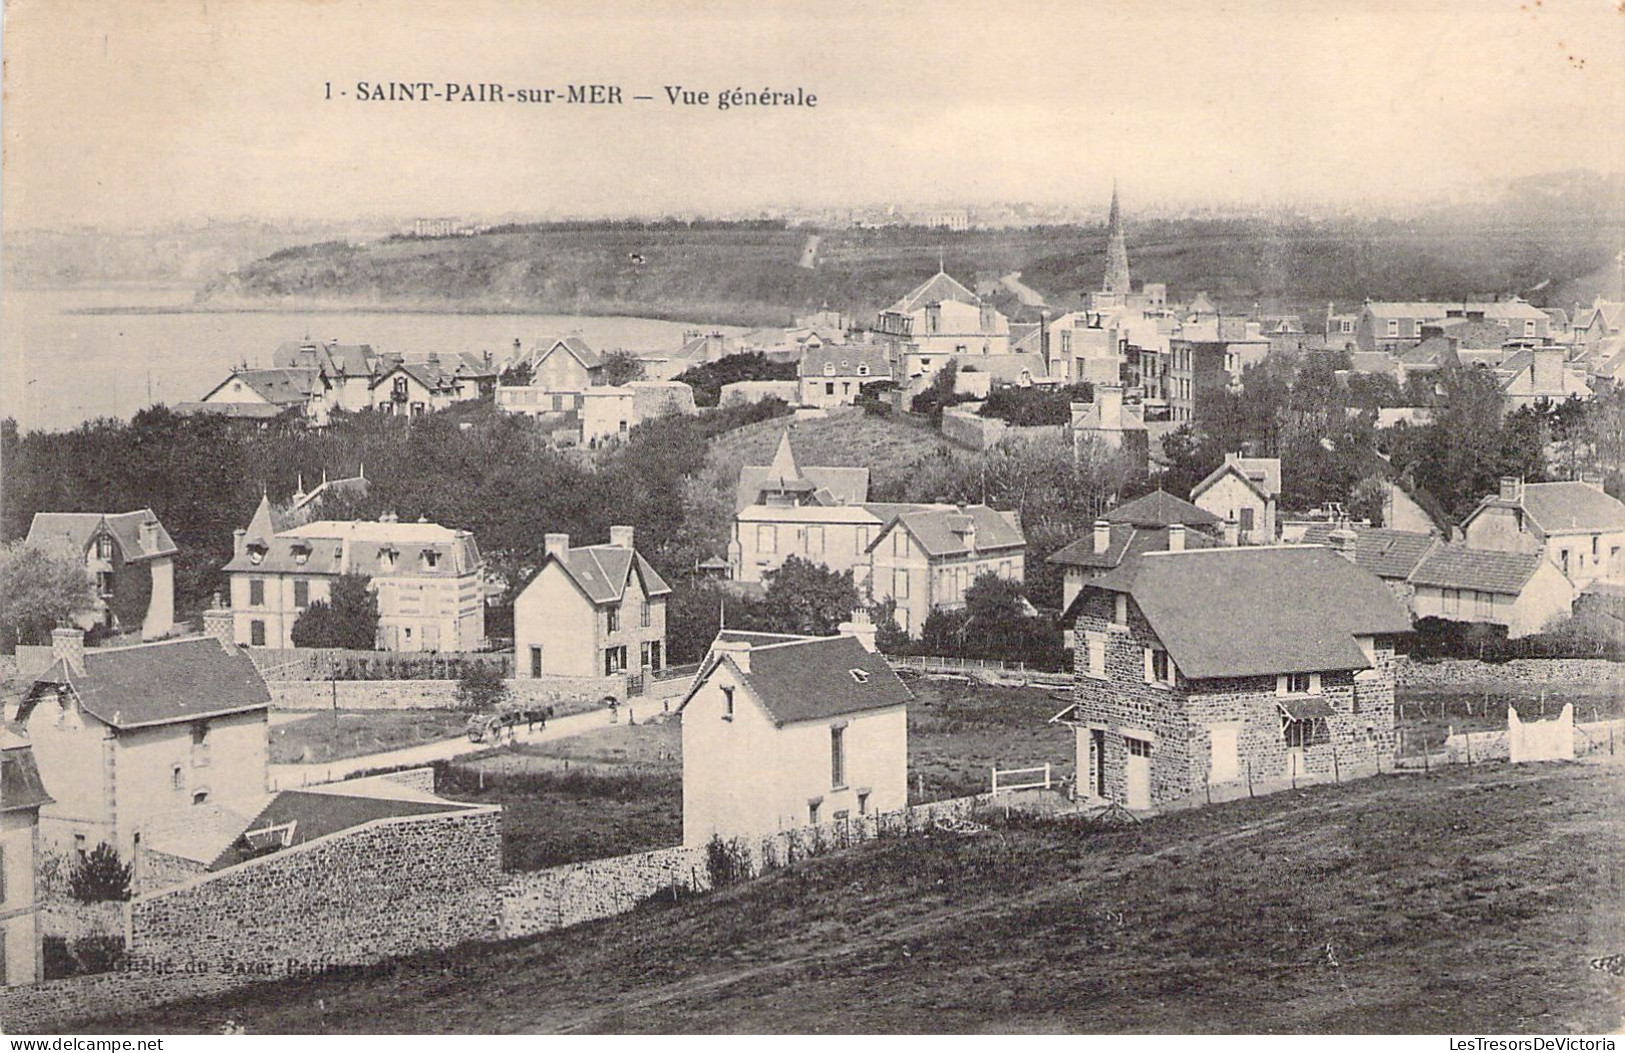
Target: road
[[289, 776], [1025, 293]]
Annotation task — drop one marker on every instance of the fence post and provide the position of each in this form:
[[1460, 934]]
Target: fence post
[[1249, 778], [1046, 775], [1427, 768], [1337, 772], [993, 777]]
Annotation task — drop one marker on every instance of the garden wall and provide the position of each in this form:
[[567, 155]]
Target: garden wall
[[1466, 672], [565, 694], [327, 663]]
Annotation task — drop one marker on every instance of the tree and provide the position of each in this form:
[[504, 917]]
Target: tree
[[100, 876], [940, 395], [349, 619], [621, 367], [482, 687], [707, 380], [40, 589], [518, 375], [806, 597]]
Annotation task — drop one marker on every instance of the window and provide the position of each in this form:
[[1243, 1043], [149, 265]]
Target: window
[[256, 633], [1393, 327], [535, 661], [1120, 609], [829, 389], [256, 592], [1246, 520], [400, 389], [727, 703], [766, 539], [79, 845], [899, 543], [1596, 542], [859, 676], [1564, 560], [431, 558], [812, 810], [899, 585], [829, 369], [104, 547], [1528, 327], [654, 654], [837, 756], [200, 797], [1095, 648], [104, 582], [1298, 684], [614, 660], [863, 802], [177, 777], [200, 745], [1137, 747], [863, 371], [1162, 669], [613, 618], [301, 594], [643, 613]]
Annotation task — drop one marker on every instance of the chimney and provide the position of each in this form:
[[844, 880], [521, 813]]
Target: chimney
[[1546, 370], [620, 536], [389, 517], [1110, 399], [68, 647], [862, 627], [1176, 537], [556, 545], [149, 535], [238, 541], [738, 650], [219, 623], [1512, 488], [1103, 535], [1232, 533], [1342, 542]]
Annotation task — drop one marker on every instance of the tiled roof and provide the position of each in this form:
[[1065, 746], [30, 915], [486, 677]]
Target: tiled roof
[[602, 571], [1263, 474], [1564, 508], [1159, 509], [846, 360], [935, 289], [159, 683], [812, 679], [20, 784], [1484, 570], [75, 529], [1123, 541], [947, 531], [279, 387], [319, 814], [1385, 553], [1260, 610]]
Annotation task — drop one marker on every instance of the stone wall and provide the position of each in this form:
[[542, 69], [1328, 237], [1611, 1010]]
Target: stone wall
[[565, 694], [325, 663], [391, 887], [1466, 672], [72, 920]]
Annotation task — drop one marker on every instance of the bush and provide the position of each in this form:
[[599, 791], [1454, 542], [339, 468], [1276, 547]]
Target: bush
[[726, 862], [1586, 635], [481, 688], [100, 876]]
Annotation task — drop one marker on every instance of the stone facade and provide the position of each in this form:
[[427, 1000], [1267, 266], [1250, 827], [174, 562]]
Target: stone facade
[[1453, 671], [1180, 720], [565, 694]]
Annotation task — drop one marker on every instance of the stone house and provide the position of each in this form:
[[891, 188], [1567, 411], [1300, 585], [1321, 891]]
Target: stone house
[[411, 389], [1106, 547], [834, 375], [130, 557], [1244, 491], [123, 734], [925, 559], [1205, 358], [1576, 525], [596, 610], [786, 731], [1219, 665], [429, 579], [22, 794]]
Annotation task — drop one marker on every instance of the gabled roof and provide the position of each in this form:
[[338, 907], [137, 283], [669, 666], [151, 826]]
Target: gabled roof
[[811, 678], [75, 530], [1262, 474], [1385, 553], [1483, 570], [1159, 509], [829, 486], [1122, 542], [935, 289], [1567, 507], [573, 345], [1254, 611], [279, 387], [602, 571], [1131, 417], [158, 683], [355, 360], [20, 785], [947, 531]]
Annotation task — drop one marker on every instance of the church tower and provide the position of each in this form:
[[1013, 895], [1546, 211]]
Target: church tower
[[1116, 251]]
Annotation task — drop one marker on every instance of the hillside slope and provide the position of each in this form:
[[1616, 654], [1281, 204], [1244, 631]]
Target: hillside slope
[[1470, 901], [850, 438]]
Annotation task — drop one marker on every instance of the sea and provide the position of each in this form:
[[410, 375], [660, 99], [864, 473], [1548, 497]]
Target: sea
[[76, 354]]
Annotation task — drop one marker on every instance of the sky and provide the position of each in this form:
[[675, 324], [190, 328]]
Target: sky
[[132, 114]]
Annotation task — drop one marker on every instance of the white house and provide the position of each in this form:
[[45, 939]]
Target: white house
[[1578, 527], [784, 731], [596, 610], [1520, 590], [1243, 491]]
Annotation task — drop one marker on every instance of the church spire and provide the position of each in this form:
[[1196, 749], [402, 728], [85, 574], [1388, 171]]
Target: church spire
[[1116, 251]]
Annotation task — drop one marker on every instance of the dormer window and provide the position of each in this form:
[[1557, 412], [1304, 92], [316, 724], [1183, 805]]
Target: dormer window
[[301, 554], [860, 676], [431, 558], [863, 369], [256, 554], [387, 557], [104, 547], [829, 369]]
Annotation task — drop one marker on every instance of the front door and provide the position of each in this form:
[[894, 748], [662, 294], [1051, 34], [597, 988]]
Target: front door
[[1138, 771], [1222, 766]]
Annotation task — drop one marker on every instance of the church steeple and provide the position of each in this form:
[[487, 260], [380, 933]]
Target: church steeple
[[1116, 280]]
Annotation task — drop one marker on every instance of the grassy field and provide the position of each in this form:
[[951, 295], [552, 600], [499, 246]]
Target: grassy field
[[957, 731], [888, 447], [1470, 901], [356, 733]]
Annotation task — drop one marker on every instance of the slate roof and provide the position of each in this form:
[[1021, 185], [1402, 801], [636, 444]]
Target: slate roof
[[846, 358], [279, 387], [1483, 570], [846, 486], [935, 289], [1372, 361], [1159, 509], [1006, 369], [1026, 338], [159, 683], [336, 359], [319, 814], [1123, 541], [1473, 334], [1566, 507], [75, 529], [1263, 474], [1384, 552], [811, 679], [1131, 418], [1253, 611], [601, 571], [20, 784], [574, 345], [940, 530], [359, 547]]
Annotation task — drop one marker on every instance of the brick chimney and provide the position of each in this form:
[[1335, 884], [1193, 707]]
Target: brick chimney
[[68, 647], [738, 650], [1103, 535], [862, 627], [1342, 541], [621, 536], [1176, 537], [1512, 488], [556, 545]]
